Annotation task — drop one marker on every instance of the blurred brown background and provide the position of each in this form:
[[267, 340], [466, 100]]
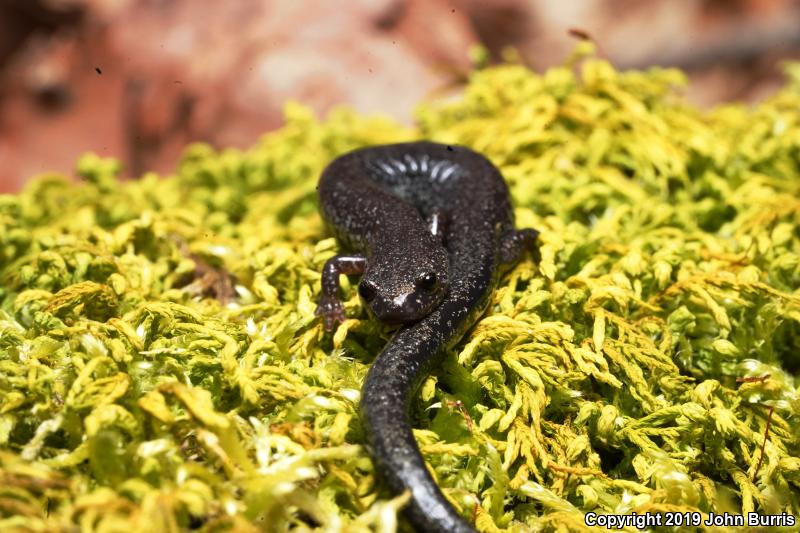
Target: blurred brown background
[[139, 79]]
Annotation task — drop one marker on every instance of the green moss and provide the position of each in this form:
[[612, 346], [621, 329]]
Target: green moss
[[635, 367]]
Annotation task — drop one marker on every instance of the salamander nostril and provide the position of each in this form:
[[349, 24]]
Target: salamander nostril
[[367, 291]]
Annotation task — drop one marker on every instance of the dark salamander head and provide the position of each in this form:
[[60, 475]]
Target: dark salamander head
[[406, 279]]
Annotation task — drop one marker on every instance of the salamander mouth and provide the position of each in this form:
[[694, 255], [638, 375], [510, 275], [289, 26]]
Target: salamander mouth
[[399, 316], [399, 319]]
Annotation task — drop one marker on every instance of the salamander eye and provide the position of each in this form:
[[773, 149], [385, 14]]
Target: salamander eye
[[428, 281], [367, 290]]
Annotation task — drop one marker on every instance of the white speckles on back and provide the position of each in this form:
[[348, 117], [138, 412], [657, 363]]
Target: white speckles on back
[[423, 163], [447, 173], [436, 169], [412, 163], [387, 168], [403, 172]]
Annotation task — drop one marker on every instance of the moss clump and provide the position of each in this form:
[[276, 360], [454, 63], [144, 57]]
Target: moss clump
[[648, 362]]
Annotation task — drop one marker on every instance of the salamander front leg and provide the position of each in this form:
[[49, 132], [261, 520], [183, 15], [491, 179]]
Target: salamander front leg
[[515, 242], [330, 307]]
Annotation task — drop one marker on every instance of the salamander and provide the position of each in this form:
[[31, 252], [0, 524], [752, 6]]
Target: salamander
[[430, 226]]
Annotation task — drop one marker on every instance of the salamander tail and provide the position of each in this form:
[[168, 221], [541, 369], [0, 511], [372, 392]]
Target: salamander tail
[[389, 387]]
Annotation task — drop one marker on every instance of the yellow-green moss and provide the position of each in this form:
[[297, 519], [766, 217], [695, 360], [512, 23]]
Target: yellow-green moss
[[634, 368]]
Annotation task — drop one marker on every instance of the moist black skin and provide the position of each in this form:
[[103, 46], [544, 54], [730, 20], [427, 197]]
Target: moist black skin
[[433, 225]]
